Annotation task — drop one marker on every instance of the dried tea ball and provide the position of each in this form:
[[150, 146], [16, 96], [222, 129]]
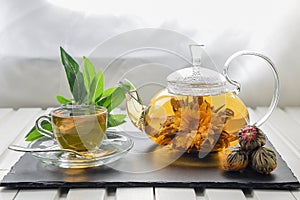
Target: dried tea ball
[[263, 160], [251, 137], [234, 159]]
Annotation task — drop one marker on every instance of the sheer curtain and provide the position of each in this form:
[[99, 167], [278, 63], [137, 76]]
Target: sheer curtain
[[32, 31]]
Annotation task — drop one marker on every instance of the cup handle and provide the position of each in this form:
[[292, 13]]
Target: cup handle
[[275, 98], [39, 127]]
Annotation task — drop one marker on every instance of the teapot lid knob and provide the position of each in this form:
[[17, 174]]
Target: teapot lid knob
[[196, 80], [196, 51]]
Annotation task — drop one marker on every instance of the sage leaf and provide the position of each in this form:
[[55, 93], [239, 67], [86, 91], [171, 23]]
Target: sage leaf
[[105, 102], [105, 95], [34, 134], [96, 88], [74, 76], [88, 73], [79, 92], [63, 100], [108, 92], [71, 68], [117, 97], [113, 100], [127, 85], [115, 119]]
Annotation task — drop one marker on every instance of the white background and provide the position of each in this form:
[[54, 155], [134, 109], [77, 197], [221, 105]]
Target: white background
[[31, 32]]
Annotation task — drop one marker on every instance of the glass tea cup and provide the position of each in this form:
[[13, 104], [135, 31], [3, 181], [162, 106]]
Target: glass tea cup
[[77, 127]]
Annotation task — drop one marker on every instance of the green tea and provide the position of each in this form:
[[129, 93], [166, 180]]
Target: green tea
[[79, 130]]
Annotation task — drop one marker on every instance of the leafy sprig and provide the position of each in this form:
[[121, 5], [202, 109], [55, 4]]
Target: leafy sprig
[[87, 87]]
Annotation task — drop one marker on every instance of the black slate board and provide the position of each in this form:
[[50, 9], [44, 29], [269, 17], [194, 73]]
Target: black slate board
[[187, 171]]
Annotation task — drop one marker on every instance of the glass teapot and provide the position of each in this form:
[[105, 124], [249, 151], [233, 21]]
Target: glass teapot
[[197, 112]]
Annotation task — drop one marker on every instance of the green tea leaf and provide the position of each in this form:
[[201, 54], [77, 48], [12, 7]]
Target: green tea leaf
[[34, 134], [75, 77], [104, 96], [128, 86], [88, 72], [96, 87], [117, 97], [63, 100], [108, 92], [71, 67], [115, 120], [79, 92], [105, 101], [114, 100]]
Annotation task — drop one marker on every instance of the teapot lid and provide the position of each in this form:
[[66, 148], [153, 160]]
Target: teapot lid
[[196, 81]]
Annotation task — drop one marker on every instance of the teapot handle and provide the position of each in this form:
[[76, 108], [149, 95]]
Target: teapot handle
[[238, 85]]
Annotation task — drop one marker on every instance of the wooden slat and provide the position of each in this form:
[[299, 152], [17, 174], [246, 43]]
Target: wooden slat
[[4, 112], [20, 138], [286, 125], [24, 118], [7, 194], [224, 194], [14, 124], [8, 157], [296, 194], [86, 193], [286, 151], [273, 195], [293, 112], [45, 194], [134, 194], [175, 194]]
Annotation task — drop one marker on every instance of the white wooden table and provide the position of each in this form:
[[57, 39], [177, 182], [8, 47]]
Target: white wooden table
[[283, 130]]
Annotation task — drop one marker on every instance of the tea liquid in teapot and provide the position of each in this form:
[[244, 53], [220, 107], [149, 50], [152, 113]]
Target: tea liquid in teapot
[[195, 123], [194, 113], [197, 112]]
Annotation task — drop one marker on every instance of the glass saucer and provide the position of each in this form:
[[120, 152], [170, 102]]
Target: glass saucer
[[112, 148]]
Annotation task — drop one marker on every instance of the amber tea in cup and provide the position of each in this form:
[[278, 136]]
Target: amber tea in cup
[[77, 127]]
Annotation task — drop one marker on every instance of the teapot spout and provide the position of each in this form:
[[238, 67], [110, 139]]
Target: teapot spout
[[135, 108]]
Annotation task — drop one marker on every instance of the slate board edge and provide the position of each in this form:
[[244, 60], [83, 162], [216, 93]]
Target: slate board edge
[[48, 185], [58, 184]]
